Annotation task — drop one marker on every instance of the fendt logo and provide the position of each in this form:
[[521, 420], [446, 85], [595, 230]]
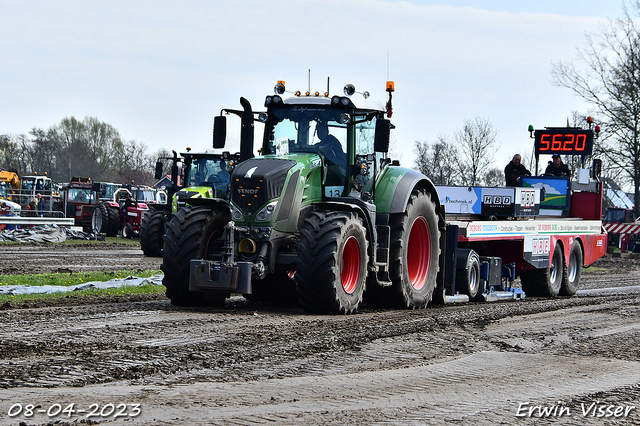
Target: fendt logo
[[247, 191]]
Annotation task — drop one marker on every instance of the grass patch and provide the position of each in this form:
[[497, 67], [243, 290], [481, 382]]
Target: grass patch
[[50, 299], [70, 279]]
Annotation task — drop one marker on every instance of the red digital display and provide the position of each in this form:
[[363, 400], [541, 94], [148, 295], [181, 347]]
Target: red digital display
[[564, 141]]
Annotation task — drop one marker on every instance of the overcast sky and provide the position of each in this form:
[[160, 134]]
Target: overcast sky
[[158, 70]]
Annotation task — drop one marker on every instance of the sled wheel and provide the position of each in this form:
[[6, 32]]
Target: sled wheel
[[573, 271], [545, 282], [468, 274]]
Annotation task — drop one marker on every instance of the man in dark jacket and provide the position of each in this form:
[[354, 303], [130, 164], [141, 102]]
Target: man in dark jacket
[[557, 167], [514, 170]]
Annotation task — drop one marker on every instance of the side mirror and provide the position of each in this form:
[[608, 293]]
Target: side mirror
[[174, 174], [159, 166], [383, 135], [96, 186], [219, 131]]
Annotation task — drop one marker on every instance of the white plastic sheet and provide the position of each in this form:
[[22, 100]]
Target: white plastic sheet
[[114, 283]]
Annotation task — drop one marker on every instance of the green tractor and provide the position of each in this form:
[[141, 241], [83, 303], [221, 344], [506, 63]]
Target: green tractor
[[321, 215], [205, 175]]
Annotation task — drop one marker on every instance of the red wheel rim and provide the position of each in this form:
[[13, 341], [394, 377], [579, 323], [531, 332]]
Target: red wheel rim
[[419, 253], [350, 265]]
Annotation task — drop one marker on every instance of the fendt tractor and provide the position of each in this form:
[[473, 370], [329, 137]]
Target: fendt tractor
[[324, 216], [204, 175], [321, 204]]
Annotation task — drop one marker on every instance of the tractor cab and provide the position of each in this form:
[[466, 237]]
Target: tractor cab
[[339, 130]]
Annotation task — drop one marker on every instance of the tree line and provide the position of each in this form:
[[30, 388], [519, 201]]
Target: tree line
[[463, 159], [87, 148]]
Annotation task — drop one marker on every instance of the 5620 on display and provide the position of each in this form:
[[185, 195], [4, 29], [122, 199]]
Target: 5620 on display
[[564, 141]]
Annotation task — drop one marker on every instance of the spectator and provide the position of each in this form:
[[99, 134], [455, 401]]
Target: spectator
[[41, 204], [557, 168], [514, 170]]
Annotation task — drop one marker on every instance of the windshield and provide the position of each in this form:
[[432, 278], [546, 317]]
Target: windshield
[[80, 194], [208, 172]]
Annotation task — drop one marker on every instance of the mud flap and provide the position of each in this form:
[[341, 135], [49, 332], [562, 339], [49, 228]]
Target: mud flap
[[206, 276]]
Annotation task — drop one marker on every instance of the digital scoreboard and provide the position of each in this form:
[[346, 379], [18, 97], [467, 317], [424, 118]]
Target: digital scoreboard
[[565, 141]]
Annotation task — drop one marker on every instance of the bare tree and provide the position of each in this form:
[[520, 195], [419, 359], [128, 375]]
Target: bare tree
[[494, 177], [9, 153], [610, 83], [437, 161], [477, 143], [136, 165]]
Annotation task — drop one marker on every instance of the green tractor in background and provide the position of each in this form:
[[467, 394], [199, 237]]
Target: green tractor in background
[[321, 215], [204, 175]]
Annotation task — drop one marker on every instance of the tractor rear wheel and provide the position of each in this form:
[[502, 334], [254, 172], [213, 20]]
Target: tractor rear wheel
[[331, 267], [192, 233], [545, 282], [105, 219], [151, 232], [573, 271], [99, 218], [113, 225], [414, 253]]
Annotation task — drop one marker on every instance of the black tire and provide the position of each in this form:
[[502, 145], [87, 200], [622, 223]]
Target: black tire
[[545, 282], [113, 225], [192, 233], [100, 218], [468, 274], [127, 230], [331, 267], [105, 220], [573, 271], [414, 253], [151, 231]]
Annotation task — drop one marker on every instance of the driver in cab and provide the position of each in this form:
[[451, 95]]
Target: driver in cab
[[331, 148]]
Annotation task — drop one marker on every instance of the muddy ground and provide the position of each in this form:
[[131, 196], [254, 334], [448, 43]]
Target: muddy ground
[[128, 361]]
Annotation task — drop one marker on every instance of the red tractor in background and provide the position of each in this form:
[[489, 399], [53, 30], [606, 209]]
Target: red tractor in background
[[78, 200], [122, 212]]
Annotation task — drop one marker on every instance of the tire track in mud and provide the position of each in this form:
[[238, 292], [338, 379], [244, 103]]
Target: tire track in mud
[[451, 391], [102, 344]]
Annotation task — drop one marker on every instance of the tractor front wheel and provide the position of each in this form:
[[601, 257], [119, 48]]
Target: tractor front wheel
[[127, 230], [192, 233], [331, 267]]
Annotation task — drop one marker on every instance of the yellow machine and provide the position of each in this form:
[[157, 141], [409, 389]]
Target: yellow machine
[[9, 183]]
